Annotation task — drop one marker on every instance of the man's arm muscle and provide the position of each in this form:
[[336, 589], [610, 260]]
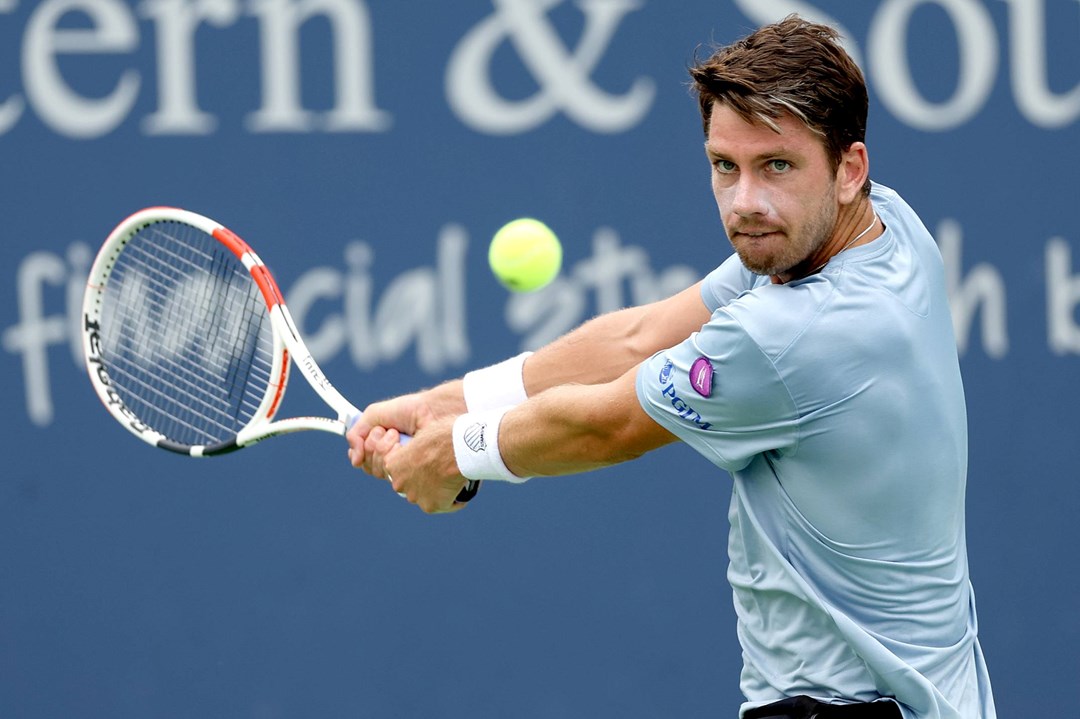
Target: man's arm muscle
[[607, 346], [576, 428]]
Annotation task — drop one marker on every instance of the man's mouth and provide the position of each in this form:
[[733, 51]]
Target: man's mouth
[[756, 234]]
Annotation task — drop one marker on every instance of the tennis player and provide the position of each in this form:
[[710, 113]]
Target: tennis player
[[817, 365]]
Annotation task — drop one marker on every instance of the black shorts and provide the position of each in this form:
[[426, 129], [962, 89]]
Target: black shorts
[[806, 708]]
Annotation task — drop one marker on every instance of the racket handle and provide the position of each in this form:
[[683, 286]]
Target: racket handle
[[471, 487], [468, 491]]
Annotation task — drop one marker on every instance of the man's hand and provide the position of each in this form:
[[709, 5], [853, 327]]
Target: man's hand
[[424, 470], [405, 414]]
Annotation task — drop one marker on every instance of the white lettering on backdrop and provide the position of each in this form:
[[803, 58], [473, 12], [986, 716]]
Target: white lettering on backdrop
[[564, 75], [423, 308], [426, 307]]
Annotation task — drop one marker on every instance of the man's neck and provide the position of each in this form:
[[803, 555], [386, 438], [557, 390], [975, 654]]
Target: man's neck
[[856, 224]]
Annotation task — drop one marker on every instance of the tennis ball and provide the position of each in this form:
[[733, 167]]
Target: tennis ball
[[525, 255]]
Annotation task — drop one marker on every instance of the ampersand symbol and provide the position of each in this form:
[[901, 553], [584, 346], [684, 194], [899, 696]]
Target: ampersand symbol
[[563, 75]]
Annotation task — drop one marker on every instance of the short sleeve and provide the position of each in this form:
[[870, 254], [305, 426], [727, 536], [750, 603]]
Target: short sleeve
[[727, 282], [718, 392]]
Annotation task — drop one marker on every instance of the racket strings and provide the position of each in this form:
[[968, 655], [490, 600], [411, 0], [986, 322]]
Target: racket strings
[[131, 322], [207, 404], [186, 334]]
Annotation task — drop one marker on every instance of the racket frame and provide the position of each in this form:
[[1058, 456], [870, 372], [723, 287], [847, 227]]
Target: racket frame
[[285, 337]]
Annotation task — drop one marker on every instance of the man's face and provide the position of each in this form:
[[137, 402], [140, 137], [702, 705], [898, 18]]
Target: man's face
[[776, 192]]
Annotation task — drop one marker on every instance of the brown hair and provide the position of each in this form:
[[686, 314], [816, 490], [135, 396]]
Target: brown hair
[[795, 67]]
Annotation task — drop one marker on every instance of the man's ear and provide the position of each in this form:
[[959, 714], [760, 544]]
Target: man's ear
[[852, 172]]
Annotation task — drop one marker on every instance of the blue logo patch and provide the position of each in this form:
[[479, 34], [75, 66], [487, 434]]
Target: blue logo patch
[[665, 372]]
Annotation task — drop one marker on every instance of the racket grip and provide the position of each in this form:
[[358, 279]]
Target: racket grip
[[468, 491], [471, 487]]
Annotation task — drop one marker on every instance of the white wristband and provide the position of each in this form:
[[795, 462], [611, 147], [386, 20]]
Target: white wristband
[[500, 385], [476, 446]]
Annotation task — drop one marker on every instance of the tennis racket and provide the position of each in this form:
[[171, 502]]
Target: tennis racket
[[188, 340]]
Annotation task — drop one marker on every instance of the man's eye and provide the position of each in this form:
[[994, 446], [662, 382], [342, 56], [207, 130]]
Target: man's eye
[[779, 165], [724, 166]]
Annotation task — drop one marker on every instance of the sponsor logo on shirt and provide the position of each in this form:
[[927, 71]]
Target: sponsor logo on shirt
[[665, 372], [701, 376], [685, 411]]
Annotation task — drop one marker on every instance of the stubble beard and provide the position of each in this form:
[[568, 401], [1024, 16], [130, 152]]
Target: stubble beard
[[795, 249]]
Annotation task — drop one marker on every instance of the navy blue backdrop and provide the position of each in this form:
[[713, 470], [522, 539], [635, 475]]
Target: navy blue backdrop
[[369, 150]]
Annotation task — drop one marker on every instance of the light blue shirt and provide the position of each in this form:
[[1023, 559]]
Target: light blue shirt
[[836, 404]]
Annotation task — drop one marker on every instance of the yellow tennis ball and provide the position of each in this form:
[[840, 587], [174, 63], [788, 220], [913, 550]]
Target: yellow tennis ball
[[525, 255]]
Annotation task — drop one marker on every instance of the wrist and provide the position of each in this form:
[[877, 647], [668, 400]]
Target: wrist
[[500, 385], [446, 399], [476, 446]]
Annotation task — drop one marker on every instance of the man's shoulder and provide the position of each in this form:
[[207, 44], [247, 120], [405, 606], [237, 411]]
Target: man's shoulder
[[897, 214], [775, 316]]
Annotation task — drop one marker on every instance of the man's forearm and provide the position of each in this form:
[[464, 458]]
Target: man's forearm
[[446, 399], [606, 347], [576, 428], [599, 351]]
